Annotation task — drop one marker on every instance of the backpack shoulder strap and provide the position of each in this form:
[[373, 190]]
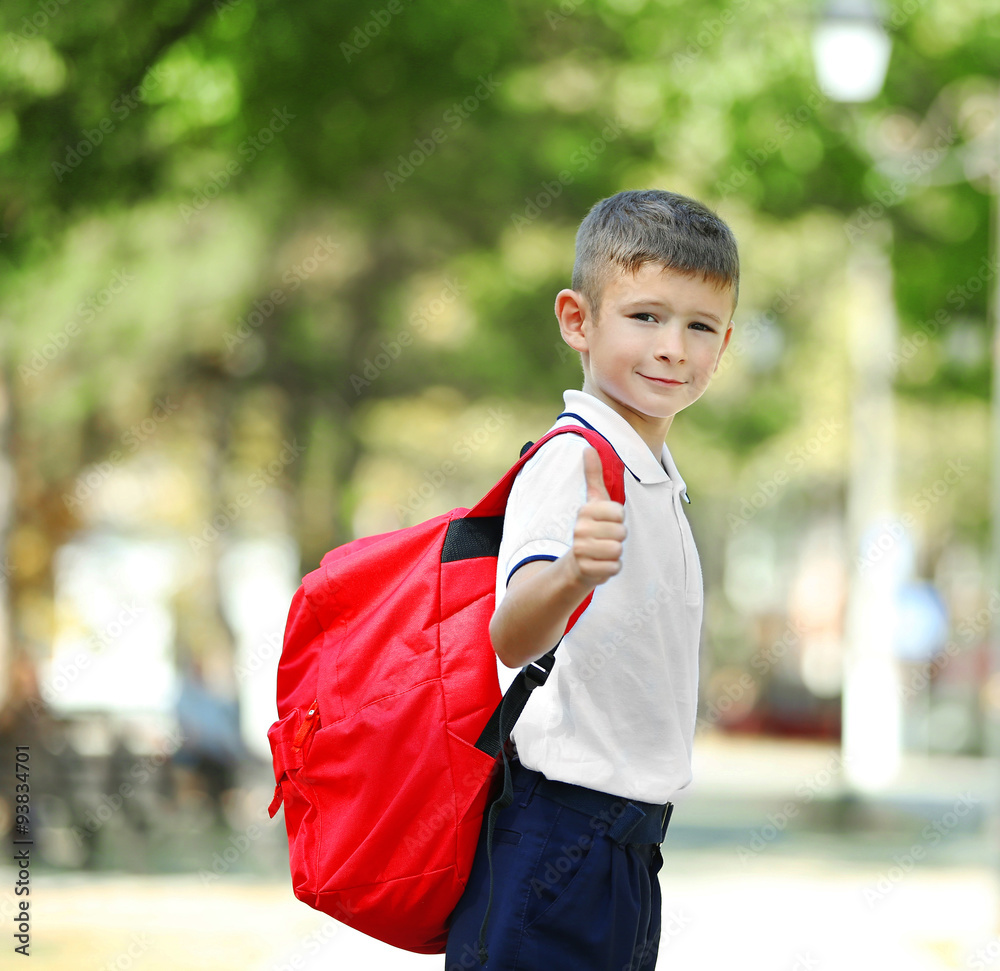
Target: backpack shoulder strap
[[497, 730], [495, 734], [495, 501]]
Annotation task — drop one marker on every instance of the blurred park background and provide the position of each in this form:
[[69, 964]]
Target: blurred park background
[[274, 276]]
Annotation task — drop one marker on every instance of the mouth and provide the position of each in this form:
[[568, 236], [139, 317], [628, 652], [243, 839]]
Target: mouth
[[666, 382]]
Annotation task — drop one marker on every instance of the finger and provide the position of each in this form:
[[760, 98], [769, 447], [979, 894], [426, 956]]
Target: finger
[[594, 473], [600, 564], [601, 529], [600, 550], [603, 511]]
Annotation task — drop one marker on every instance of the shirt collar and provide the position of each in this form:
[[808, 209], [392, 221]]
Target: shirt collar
[[632, 450]]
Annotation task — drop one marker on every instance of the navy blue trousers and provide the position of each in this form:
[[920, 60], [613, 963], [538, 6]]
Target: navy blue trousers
[[566, 896]]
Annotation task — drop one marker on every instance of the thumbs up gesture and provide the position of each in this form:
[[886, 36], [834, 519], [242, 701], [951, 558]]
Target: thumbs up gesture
[[600, 528]]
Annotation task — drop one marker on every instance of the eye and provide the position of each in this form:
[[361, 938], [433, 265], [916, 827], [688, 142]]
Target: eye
[[644, 317], [698, 323]]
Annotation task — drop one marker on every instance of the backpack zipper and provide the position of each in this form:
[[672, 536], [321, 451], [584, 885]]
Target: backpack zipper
[[308, 724]]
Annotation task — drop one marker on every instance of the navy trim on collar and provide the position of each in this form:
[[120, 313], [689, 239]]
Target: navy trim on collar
[[586, 424]]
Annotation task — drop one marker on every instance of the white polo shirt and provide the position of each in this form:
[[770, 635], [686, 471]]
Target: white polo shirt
[[618, 711]]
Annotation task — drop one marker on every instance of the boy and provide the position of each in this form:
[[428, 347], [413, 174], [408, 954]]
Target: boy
[[605, 744]]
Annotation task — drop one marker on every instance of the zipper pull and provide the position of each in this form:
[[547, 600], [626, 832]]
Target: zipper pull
[[307, 726]]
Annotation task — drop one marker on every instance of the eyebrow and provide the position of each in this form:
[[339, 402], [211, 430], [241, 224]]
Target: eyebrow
[[652, 301]]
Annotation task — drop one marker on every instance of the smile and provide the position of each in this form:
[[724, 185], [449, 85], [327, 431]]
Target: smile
[[668, 382]]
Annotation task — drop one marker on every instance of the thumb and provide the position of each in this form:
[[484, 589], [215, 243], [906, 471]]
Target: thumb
[[594, 473]]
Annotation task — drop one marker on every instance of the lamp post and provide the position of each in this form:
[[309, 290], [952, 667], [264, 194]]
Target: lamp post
[[992, 699], [851, 52], [872, 702]]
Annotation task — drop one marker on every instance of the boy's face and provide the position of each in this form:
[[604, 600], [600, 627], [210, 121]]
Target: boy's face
[[654, 344]]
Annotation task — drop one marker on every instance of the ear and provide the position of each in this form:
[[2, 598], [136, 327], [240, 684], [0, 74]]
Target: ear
[[725, 344], [572, 311]]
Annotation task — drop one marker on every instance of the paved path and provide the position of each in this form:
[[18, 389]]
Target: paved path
[[768, 868], [774, 914]]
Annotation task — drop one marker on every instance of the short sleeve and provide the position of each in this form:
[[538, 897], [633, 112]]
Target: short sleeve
[[542, 509]]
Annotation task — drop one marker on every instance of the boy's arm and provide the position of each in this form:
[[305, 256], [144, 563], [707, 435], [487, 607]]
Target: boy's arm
[[541, 596]]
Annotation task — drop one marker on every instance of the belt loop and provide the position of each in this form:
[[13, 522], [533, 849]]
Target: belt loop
[[622, 828], [529, 790]]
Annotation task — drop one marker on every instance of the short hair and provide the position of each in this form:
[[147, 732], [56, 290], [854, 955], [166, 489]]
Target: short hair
[[635, 227]]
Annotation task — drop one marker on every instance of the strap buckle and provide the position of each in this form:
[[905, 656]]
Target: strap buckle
[[537, 672]]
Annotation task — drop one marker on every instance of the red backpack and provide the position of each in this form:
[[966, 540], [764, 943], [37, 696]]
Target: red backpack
[[390, 721]]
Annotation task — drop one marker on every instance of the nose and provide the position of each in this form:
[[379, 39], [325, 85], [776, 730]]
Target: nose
[[670, 344]]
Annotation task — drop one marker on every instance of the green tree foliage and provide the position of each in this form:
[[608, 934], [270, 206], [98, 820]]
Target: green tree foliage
[[350, 203]]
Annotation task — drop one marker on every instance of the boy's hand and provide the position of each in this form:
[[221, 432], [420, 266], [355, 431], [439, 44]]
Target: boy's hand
[[600, 528], [542, 595]]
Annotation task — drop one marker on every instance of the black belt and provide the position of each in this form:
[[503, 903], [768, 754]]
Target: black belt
[[626, 820]]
